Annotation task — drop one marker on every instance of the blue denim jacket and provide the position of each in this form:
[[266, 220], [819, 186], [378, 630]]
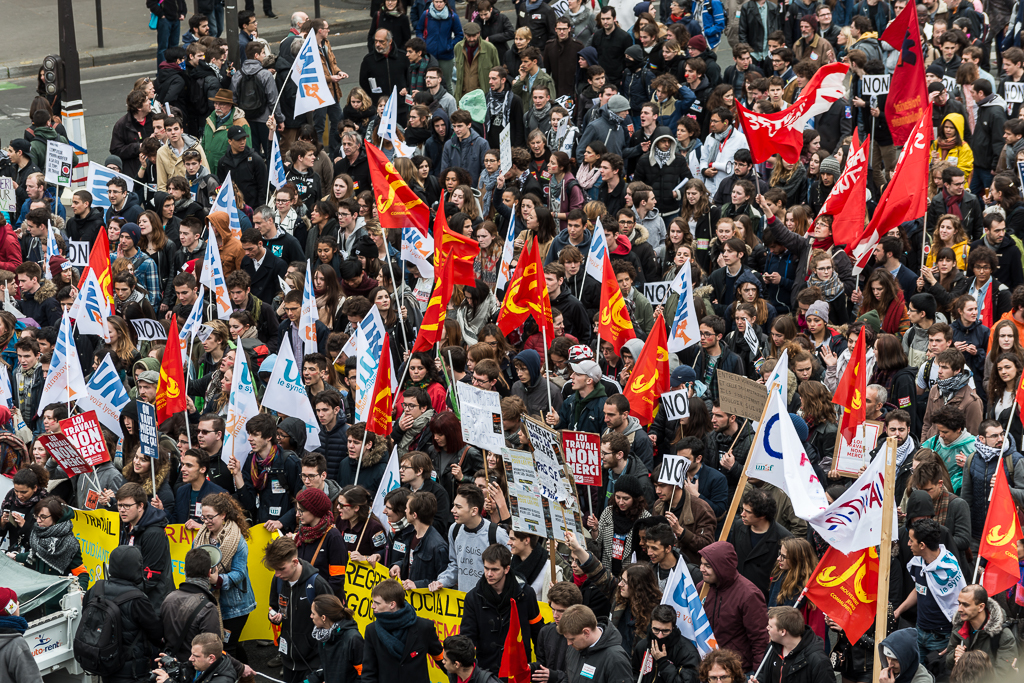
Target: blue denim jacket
[[236, 596]]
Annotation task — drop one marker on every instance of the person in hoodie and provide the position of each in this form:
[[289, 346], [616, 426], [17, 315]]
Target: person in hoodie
[[673, 658], [441, 29], [596, 650], [144, 528], [86, 220], [465, 149], [231, 251], [986, 140], [172, 85], [575, 234], [903, 659], [663, 169], [533, 387], [610, 126], [16, 661], [735, 607]]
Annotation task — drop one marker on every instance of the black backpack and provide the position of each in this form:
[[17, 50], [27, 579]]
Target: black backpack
[[252, 99], [98, 645]]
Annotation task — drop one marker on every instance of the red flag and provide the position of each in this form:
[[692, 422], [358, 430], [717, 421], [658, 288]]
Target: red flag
[[783, 132], [847, 202], [99, 261], [527, 294], [999, 544], [379, 421], [437, 309], [397, 205], [851, 390], [514, 663], [463, 249], [170, 392], [845, 587], [614, 323], [905, 197], [1020, 393], [908, 93], [650, 376]]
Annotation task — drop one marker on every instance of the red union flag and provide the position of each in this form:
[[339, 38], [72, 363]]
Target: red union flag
[[845, 587], [650, 376], [783, 132], [379, 421], [851, 390], [846, 203], [999, 544], [397, 205], [527, 294], [908, 92]]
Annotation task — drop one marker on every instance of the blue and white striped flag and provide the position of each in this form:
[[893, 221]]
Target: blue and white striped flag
[[225, 202], [681, 595], [595, 256], [51, 249], [277, 176], [307, 72], [96, 184]]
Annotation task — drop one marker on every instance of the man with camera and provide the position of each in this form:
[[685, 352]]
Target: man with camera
[[206, 664]]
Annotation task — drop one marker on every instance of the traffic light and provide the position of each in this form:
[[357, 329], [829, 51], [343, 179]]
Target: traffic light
[[53, 74]]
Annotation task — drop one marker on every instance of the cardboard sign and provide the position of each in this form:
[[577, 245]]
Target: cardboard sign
[[856, 454], [63, 451], [1014, 91], [8, 196], [874, 85], [60, 160], [149, 330], [78, 253], [149, 439], [583, 456], [676, 404], [481, 417], [525, 504], [657, 292], [674, 469], [741, 396], [505, 147], [84, 432]]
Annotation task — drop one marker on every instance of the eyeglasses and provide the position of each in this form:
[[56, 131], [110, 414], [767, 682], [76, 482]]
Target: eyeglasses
[[209, 518], [719, 679], [310, 477], [404, 467], [281, 201], [204, 431], [410, 406], [661, 631], [43, 518], [126, 506]]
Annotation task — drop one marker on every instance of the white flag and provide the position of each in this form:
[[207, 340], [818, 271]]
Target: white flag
[[242, 407], [287, 395], [389, 117], [595, 255], [778, 457], [9, 304], [418, 249], [685, 328], [51, 249], [369, 342], [96, 184], [508, 250], [213, 277], [780, 375], [195, 316], [64, 382], [692, 621], [90, 308], [854, 520], [225, 202], [388, 483], [310, 315], [307, 72], [276, 167], [107, 395]]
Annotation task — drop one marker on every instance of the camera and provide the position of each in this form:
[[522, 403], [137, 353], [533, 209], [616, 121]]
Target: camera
[[170, 665]]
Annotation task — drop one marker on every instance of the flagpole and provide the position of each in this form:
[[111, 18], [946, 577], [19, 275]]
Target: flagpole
[[359, 461], [152, 472], [885, 552], [924, 243], [544, 338], [992, 489], [398, 301]]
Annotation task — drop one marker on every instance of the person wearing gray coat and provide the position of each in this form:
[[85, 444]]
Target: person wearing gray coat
[[16, 662], [609, 127]]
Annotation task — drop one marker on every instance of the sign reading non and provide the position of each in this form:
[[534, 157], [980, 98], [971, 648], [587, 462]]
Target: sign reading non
[[741, 396], [583, 456], [84, 432], [78, 253], [874, 85], [149, 330], [673, 470], [149, 439], [676, 404], [59, 162], [657, 292], [63, 451], [1014, 91]]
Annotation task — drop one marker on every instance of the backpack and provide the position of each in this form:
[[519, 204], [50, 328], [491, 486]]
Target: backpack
[[252, 99], [492, 532], [198, 102], [98, 645]]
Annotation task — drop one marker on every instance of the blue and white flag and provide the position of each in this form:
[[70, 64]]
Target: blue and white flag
[[90, 309], [51, 249], [681, 595], [96, 184], [225, 202], [369, 342], [287, 395], [213, 277], [276, 168], [64, 382], [388, 483], [388, 125], [106, 395], [778, 457], [508, 250], [685, 330], [418, 249], [6, 393], [780, 375], [307, 72], [310, 315], [242, 407], [195, 316], [595, 256]]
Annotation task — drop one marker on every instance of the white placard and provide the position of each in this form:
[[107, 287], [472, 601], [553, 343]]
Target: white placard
[[950, 84], [549, 474], [527, 507], [676, 404], [149, 330], [60, 159], [673, 470], [560, 7], [505, 144], [874, 85], [657, 292], [857, 454], [481, 417], [78, 253], [8, 195], [1014, 91]]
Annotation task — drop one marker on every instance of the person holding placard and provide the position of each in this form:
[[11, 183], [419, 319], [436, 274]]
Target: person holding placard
[[691, 519], [144, 526]]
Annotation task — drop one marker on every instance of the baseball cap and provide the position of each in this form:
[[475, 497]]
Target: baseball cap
[[20, 145], [588, 368], [580, 352], [236, 133], [683, 374]]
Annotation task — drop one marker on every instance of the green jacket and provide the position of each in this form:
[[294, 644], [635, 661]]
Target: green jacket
[[215, 138], [37, 149], [487, 58], [526, 94]]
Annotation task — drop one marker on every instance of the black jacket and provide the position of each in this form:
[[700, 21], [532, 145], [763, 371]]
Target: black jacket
[[485, 618], [248, 173], [429, 559], [329, 558], [806, 663], [577, 322], [334, 446], [293, 601], [126, 139], [752, 31], [499, 31], [679, 665], [835, 125], [970, 208], [551, 649], [986, 140], [388, 71], [443, 519], [284, 332], [264, 284], [277, 498], [663, 179], [611, 51], [358, 169], [85, 229], [606, 660], [222, 671], [420, 642], [150, 537], [340, 655], [756, 562], [176, 613]]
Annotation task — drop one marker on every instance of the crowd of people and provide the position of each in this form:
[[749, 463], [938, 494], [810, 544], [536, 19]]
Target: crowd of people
[[622, 129]]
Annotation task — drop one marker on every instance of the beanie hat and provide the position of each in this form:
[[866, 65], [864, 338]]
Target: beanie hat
[[630, 485], [811, 21], [622, 246], [618, 103], [641, 7], [830, 165], [819, 308], [114, 160], [801, 426], [698, 42], [132, 230], [935, 69], [9, 600], [58, 264], [314, 501]]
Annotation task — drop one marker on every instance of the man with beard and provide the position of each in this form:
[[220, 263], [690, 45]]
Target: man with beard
[[503, 108], [387, 68], [474, 60]]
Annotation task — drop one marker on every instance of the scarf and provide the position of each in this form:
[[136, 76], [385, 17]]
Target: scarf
[[830, 288], [894, 314], [532, 566], [988, 453], [321, 634], [580, 579], [488, 181], [953, 204], [541, 114], [903, 450], [260, 466], [947, 280], [948, 387], [311, 533], [720, 138], [418, 425], [662, 157], [228, 541], [949, 144], [944, 579], [55, 545], [942, 505], [439, 15], [14, 623], [392, 628], [499, 105], [824, 244]]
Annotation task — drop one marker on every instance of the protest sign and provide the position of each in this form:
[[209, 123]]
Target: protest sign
[[505, 144], [875, 85], [657, 292], [8, 196], [78, 253], [480, 413], [84, 432], [741, 396], [673, 470], [525, 503], [676, 404], [853, 455], [149, 329], [98, 533], [63, 451], [545, 459], [583, 456], [519, 469], [1014, 90], [149, 439], [60, 160]]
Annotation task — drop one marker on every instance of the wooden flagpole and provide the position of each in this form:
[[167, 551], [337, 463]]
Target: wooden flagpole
[[885, 553]]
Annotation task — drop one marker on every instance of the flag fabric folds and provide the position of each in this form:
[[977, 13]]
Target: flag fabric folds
[[99, 263], [418, 250], [388, 483], [90, 309], [64, 382], [685, 328], [614, 324], [287, 395], [213, 277], [999, 542], [309, 316], [907, 101], [242, 407], [437, 308], [170, 392], [851, 390], [463, 250], [225, 202], [514, 663], [307, 73], [397, 205], [650, 376], [381, 400], [527, 294], [845, 587], [847, 202], [276, 165], [692, 621]]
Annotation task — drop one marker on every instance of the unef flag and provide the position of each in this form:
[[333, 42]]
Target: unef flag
[[908, 92], [418, 250], [845, 587], [213, 277], [242, 407], [650, 376], [692, 621], [999, 543], [851, 390], [90, 310], [276, 166], [527, 294], [307, 73], [614, 324], [287, 395], [309, 316], [508, 250], [847, 201], [397, 205], [437, 308], [379, 419], [170, 392], [685, 328], [514, 663], [225, 202]]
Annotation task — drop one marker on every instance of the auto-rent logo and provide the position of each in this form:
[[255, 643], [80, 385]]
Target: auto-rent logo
[[44, 644]]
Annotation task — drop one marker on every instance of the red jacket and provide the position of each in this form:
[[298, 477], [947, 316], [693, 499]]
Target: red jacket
[[10, 248], [735, 607]]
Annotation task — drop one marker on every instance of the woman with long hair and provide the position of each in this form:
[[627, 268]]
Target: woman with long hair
[[993, 296], [721, 96], [1002, 391], [155, 243], [343, 188], [949, 232], [1005, 194], [700, 216], [971, 337], [338, 638], [798, 219], [27, 488], [400, 332], [893, 372], [540, 154], [949, 145], [883, 295], [327, 290], [748, 291], [455, 461], [423, 374], [355, 523], [616, 523], [225, 527], [822, 274], [791, 178], [589, 172], [820, 415], [462, 197], [793, 570], [563, 191], [53, 549], [241, 326], [942, 279], [492, 336], [488, 261], [476, 309], [783, 331], [427, 178], [8, 338], [696, 423], [677, 236], [1005, 339], [121, 342], [451, 334], [137, 471], [637, 595]]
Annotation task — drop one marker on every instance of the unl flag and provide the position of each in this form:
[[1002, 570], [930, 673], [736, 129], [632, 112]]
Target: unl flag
[[851, 390], [845, 587], [847, 202], [307, 72], [908, 92], [514, 663], [783, 132], [99, 263], [463, 250], [437, 308], [905, 197], [650, 376], [379, 419], [170, 392], [397, 205], [614, 324], [999, 544], [527, 294]]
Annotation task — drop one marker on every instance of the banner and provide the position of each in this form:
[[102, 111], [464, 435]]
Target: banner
[[614, 324], [505, 153], [213, 277], [287, 395], [739, 395], [63, 451], [674, 469], [276, 165], [170, 392], [432, 325], [849, 192], [391, 480], [370, 335], [527, 294], [999, 542], [692, 621], [149, 437], [96, 184], [685, 327], [106, 394], [508, 251], [595, 254], [583, 456], [650, 376], [60, 159], [195, 316], [480, 412], [307, 73], [8, 196], [225, 202], [910, 102], [525, 503], [149, 330], [399, 207], [90, 309], [83, 430], [845, 587], [676, 404], [451, 245]]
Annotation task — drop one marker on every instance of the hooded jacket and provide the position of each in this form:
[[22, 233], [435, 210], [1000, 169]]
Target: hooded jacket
[[169, 163], [266, 81], [370, 472], [609, 128], [499, 32], [303, 653], [341, 654], [535, 394], [441, 35], [754, 561], [248, 172], [679, 665], [977, 481], [85, 229], [961, 156], [178, 607], [150, 537], [663, 178], [903, 644], [583, 413], [562, 240], [486, 617], [467, 154], [17, 665], [606, 661], [231, 252], [994, 638], [987, 138], [735, 607]]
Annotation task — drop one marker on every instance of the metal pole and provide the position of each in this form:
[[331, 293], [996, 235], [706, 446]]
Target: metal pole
[[231, 31], [359, 462], [398, 300], [99, 23], [544, 338], [316, 9]]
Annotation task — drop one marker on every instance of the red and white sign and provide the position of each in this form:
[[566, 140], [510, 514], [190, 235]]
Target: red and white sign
[[63, 451], [84, 432], [583, 455]]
